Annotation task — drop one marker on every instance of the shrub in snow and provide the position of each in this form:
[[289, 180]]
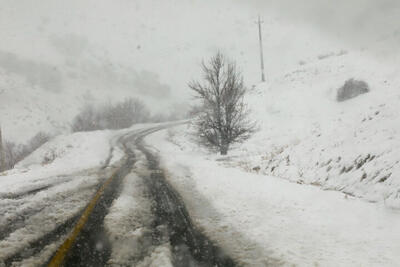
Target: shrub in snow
[[351, 89], [324, 56], [111, 116], [86, 120], [10, 154], [124, 114], [15, 153]]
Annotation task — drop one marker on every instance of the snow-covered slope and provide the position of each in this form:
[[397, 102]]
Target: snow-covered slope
[[308, 137], [26, 109]]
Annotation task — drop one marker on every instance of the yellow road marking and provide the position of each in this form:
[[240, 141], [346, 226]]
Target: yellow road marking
[[62, 251]]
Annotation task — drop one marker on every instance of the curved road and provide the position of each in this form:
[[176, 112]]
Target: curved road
[[84, 240]]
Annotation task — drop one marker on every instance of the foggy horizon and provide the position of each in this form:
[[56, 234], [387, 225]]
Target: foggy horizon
[[138, 35]]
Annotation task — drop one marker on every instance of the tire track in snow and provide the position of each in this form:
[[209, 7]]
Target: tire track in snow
[[36, 246], [20, 218], [190, 246], [43, 184]]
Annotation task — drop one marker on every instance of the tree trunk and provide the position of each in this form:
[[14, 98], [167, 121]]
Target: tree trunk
[[224, 147]]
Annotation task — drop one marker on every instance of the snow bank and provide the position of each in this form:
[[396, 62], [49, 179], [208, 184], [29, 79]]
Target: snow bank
[[262, 220], [63, 155], [84, 149]]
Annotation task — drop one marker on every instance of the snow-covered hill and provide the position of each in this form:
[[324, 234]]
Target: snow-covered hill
[[307, 136], [26, 109]]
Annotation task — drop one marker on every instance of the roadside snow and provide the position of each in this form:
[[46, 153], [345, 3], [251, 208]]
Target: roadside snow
[[263, 220], [65, 154], [77, 151]]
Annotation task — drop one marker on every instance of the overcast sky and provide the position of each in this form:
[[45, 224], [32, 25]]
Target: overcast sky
[[163, 42]]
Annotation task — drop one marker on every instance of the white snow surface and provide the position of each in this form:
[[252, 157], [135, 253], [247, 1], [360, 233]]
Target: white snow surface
[[306, 136], [261, 219]]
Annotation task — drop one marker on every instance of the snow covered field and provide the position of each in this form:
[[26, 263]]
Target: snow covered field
[[262, 219]]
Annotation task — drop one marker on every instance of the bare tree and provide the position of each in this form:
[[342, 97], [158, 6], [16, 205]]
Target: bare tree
[[86, 120], [124, 114], [111, 116], [129, 112], [11, 154], [223, 118]]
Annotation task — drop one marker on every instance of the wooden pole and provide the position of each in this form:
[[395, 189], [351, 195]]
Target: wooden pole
[[261, 49]]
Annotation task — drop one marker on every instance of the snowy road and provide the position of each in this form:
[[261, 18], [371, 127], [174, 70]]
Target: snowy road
[[119, 212], [111, 199]]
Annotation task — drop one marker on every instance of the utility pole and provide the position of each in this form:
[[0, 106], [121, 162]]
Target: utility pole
[[259, 22], [2, 154]]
